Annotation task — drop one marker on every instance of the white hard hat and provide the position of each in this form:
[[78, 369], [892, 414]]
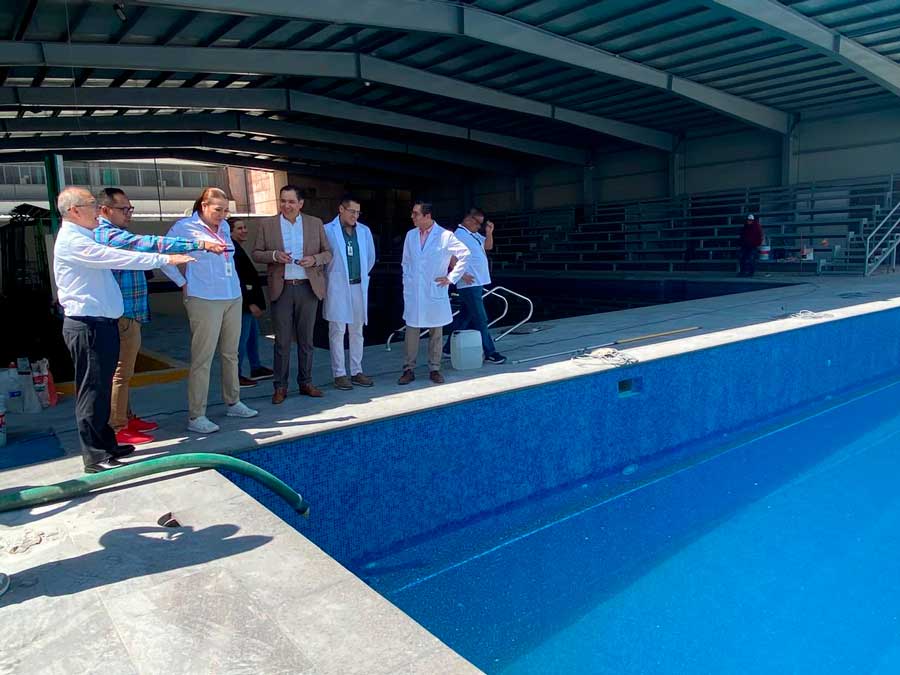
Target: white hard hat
[[750, 216]]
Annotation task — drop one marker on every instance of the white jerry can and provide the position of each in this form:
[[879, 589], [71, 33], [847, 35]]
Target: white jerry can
[[465, 350]]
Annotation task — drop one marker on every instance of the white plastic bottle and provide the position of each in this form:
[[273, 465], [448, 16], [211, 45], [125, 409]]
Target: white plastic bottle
[[30, 402], [14, 402]]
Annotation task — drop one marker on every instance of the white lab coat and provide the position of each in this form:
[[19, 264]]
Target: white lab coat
[[338, 306], [425, 303]]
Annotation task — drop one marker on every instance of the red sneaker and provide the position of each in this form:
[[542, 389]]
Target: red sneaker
[[139, 425], [129, 437]]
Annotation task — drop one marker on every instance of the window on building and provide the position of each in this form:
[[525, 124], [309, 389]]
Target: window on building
[[128, 177], [33, 175], [10, 174], [77, 175], [109, 177], [193, 179], [171, 178], [148, 177]]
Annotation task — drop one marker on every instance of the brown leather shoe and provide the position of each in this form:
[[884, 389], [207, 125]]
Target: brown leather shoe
[[362, 380], [279, 395], [311, 390], [407, 377], [342, 383], [436, 377]]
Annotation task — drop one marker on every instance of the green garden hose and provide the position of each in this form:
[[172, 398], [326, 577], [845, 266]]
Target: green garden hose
[[21, 499]]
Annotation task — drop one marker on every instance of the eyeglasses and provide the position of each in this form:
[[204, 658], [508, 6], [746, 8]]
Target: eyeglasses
[[92, 205], [352, 212], [127, 210]]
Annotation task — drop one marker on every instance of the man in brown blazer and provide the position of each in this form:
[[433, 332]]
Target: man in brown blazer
[[296, 250]]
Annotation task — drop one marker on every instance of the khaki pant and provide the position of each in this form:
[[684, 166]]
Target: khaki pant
[[434, 348], [129, 346], [213, 322]]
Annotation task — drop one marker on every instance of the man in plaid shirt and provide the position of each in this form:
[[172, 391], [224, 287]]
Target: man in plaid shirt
[[115, 216]]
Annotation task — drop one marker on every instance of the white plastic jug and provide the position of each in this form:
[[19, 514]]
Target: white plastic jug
[[14, 400], [465, 350]]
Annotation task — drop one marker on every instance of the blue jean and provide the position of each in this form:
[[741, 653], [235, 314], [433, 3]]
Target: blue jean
[[472, 315], [249, 344]]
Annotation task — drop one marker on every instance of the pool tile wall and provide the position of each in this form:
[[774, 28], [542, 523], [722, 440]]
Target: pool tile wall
[[377, 487]]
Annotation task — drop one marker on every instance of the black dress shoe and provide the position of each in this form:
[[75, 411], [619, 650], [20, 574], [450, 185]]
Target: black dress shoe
[[122, 451], [105, 465]]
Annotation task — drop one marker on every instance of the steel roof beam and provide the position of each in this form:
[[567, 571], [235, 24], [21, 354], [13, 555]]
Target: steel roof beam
[[256, 126], [435, 16], [800, 29], [296, 63], [216, 143], [273, 100]]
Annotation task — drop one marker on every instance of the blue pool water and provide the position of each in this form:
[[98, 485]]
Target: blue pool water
[[778, 555], [728, 510]]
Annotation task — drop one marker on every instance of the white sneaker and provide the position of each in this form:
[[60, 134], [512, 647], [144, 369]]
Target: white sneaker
[[240, 410], [202, 425]]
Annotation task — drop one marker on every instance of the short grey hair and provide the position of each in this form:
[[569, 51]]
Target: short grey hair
[[69, 198]]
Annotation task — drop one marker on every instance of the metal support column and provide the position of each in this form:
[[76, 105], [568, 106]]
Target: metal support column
[[56, 181], [677, 168], [790, 154], [588, 196]]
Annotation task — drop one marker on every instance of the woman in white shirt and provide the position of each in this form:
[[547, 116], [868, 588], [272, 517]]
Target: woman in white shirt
[[212, 296]]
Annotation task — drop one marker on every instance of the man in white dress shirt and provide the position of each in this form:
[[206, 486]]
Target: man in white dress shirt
[[295, 250], [471, 286], [427, 253], [92, 303]]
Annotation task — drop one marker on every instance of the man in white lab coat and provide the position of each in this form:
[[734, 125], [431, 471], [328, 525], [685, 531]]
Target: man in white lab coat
[[427, 252], [346, 303]]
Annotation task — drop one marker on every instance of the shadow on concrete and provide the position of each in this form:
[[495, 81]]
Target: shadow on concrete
[[27, 515], [129, 553]]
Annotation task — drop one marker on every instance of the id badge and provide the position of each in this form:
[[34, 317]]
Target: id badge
[[229, 269]]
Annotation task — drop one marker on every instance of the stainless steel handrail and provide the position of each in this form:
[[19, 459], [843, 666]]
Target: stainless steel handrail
[[890, 231], [523, 321], [495, 292]]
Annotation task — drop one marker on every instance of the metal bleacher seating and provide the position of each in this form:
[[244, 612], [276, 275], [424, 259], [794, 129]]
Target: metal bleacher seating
[[828, 221]]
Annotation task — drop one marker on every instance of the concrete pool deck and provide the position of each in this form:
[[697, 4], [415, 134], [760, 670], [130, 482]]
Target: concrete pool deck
[[99, 586]]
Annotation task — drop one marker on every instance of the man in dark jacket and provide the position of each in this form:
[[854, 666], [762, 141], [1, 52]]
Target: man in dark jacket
[[254, 302], [751, 239]]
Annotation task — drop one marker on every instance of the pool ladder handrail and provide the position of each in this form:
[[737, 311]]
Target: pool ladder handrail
[[495, 291]]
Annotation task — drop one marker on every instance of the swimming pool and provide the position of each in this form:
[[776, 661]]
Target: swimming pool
[[690, 514], [778, 555]]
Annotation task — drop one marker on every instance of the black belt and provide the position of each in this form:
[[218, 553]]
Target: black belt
[[295, 282], [354, 282], [93, 319]]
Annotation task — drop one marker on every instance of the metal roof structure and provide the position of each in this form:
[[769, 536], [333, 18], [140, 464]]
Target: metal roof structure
[[381, 85]]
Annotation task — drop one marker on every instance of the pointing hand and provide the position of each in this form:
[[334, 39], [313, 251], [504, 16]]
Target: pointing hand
[[180, 259]]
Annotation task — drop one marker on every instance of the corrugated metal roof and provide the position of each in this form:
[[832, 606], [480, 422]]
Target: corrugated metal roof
[[729, 54]]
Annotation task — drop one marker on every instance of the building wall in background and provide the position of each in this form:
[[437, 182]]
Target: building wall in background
[[864, 144], [156, 187], [843, 147]]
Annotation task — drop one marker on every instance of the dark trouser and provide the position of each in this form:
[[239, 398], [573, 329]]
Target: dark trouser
[[472, 315], [294, 314], [748, 260], [94, 346], [249, 344]]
